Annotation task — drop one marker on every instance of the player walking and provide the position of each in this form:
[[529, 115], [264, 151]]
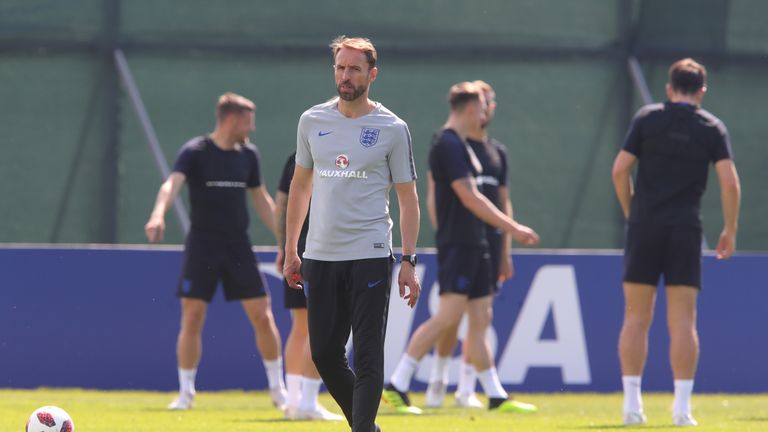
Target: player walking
[[464, 269], [492, 156], [350, 151]]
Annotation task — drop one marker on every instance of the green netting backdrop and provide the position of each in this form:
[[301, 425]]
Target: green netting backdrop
[[559, 70]]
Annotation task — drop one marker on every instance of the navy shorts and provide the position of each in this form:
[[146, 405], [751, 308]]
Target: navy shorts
[[293, 298], [673, 251], [208, 261], [465, 270]]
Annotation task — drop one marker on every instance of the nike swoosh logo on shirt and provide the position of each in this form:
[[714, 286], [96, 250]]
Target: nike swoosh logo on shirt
[[321, 133], [373, 284]]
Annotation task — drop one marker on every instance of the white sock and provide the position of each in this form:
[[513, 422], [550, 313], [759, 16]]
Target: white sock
[[187, 380], [467, 379], [293, 385], [491, 383], [309, 389], [274, 370], [404, 371], [440, 369], [682, 403], [633, 398]]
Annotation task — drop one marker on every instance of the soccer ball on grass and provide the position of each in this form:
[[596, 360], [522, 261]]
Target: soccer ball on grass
[[50, 419]]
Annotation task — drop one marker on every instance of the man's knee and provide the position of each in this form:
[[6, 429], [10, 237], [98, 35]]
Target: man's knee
[[326, 359], [192, 318], [480, 313], [447, 319], [481, 319], [259, 311], [637, 323], [299, 332], [681, 326], [324, 353]]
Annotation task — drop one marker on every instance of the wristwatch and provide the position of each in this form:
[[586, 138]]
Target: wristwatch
[[411, 259]]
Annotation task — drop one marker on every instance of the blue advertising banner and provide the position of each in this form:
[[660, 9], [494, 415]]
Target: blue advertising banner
[[108, 318]]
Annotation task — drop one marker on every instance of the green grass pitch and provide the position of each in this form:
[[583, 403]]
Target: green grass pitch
[[124, 411]]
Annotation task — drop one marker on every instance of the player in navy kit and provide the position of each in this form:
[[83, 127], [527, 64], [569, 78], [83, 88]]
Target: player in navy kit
[[492, 156], [302, 380], [220, 168], [672, 144], [464, 268]]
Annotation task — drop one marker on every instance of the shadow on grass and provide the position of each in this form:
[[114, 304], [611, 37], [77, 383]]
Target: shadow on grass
[[159, 409], [204, 409], [272, 420], [752, 419], [619, 426], [395, 414]]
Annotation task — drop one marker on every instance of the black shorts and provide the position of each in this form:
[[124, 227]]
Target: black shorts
[[208, 261], [465, 270], [673, 251], [294, 298]]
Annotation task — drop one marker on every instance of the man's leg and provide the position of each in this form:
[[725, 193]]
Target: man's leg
[[294, 359], [370, 284], [189, 347], [639, 301], [480, 316], [448, 314], [465, 389], [259, 312], [302, 378], [195, 289], [329, 328], [447, 342], [438, 380], [683, 347], [480, 311]]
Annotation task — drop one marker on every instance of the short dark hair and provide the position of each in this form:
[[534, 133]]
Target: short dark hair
[[686, 76], [231, 103], [463, 93], [361, 44]]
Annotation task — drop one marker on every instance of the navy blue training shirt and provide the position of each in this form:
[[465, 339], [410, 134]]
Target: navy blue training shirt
[[285, 186], [675, 143], [218, 180], [449, 160], [493, 158]]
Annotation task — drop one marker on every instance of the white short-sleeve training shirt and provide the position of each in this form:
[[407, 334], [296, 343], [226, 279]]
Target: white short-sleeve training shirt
[[354, 163]]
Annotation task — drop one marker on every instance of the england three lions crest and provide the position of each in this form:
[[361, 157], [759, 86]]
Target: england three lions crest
[[369, 137]]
